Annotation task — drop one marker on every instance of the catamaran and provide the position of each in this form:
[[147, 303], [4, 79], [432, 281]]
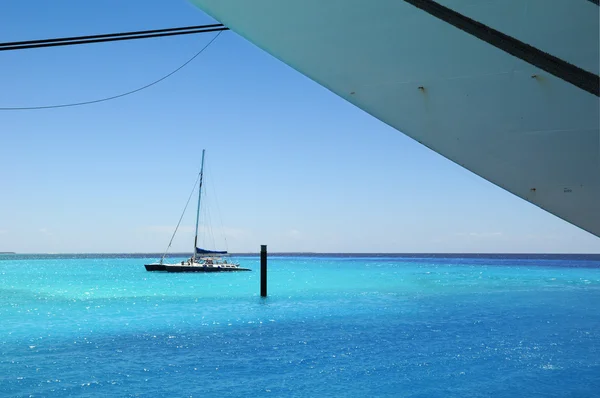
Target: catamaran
[[202, 260]]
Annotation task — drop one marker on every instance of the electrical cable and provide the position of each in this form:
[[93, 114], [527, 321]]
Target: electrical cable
[[23, 108]]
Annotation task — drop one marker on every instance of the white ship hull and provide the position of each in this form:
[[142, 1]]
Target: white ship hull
[[521, 125]]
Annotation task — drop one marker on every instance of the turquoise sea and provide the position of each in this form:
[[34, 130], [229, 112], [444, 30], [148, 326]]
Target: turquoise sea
[[333, 325]]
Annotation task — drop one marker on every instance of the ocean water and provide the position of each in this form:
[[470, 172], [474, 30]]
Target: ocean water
[[335, 325]]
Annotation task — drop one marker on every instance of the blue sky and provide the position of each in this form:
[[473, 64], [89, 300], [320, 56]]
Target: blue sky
[[289, 164]]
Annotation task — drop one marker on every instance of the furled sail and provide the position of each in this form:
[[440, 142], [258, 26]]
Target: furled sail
[[204, 251]]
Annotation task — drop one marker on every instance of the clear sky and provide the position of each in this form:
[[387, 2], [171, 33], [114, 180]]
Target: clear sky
[[289, 164]]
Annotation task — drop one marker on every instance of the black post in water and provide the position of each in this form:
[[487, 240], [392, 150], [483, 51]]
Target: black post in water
[[263, 270]]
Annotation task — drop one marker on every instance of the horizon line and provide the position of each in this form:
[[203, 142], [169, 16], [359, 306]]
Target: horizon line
[[310, 253]]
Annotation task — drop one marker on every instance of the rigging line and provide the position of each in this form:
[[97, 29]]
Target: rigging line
[[208, 222], [121, 34], [213, 185], [180, 218], [114, 96], [202, 224], [212, 231], [205, 223]]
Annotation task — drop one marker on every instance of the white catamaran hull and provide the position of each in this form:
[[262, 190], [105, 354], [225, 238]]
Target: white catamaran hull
[[444, 73]]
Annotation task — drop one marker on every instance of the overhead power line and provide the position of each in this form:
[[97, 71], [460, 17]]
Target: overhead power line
[[142, 34]]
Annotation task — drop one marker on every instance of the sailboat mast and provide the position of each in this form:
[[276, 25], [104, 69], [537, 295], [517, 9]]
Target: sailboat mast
[[198, 211]]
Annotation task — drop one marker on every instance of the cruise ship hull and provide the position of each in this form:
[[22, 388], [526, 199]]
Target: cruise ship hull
[[507, 89]]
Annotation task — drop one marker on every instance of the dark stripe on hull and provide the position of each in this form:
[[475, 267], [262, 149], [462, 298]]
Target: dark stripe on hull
[[155, 267], [187, 268], [558, 67], [596, 2]]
